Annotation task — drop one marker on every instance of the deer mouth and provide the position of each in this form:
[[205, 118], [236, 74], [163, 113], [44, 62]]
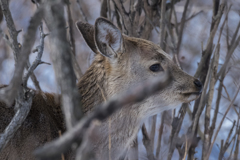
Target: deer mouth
[[191, 93], [190, 96]]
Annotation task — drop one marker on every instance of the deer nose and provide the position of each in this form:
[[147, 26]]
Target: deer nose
[[198, 84]]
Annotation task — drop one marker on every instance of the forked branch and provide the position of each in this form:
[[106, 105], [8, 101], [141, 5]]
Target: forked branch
[[9, 93], [23, 102]]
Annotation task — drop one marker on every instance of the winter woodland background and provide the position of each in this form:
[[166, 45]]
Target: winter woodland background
[[194, 40]]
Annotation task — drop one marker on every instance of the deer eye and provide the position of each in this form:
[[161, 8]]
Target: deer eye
[[156, 67]]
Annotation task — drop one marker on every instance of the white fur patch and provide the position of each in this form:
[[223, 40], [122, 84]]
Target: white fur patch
[[192, 97]]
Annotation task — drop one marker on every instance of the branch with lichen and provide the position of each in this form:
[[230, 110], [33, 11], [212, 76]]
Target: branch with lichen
[[23, 101], [9, 93], [39, 49]]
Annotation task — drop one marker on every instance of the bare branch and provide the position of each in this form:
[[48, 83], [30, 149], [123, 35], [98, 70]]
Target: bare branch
[[147, 27], [11, 28], [70, 25], [109, 9], [23, 102], [77, 70], [207, 52], [33, 77], [235, 34], [160, 134], [235, 137], [8, 94], [62, 63], [176, 22], [192, 16], [104, 8], [126, 24], [37, 60], [162, 23], [181, 27], [147, 143], [23, 108], [213, 80], [217, 107], [176, 126], [220, 125], [153, 131], [237, 145], [83, 16], [202, 100], [227, 143], [228, 56], [215, 12]]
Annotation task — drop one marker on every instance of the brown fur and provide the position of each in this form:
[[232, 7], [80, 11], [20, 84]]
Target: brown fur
[[122, 63], [41, 125]]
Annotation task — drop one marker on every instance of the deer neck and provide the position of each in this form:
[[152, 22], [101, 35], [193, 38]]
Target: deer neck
[[93, 85], [98, 85]]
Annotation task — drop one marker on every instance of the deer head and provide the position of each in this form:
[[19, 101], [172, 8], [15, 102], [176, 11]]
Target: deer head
[[122, 62], [131, 60]]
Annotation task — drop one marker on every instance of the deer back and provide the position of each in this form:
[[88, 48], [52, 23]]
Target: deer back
[[43, 124]]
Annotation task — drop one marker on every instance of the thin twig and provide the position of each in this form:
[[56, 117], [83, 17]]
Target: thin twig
[[76, 67], [83, 16], [8, 94], [37, 60], [235, 137], [162, 23], [160, 134], [104, 8], [192, 16], [228, 56], [62, 63], [186, 149], [70, 25], [213, 80], [237, 143], [33, 77], [23, 102], [176, 21], [109, 9], [217, 106], [235, 35], [207, 52], [220, 125], [182, 26], [11, 28], [20, 116], [176, 126], [227, 143], [147, 143], [153, 131], [202, 100]]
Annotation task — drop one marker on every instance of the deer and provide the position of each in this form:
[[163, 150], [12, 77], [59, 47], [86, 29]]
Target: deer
[[120, 62]]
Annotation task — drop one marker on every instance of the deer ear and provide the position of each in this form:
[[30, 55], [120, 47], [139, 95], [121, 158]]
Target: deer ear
[[87, 31], [108, 38]]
